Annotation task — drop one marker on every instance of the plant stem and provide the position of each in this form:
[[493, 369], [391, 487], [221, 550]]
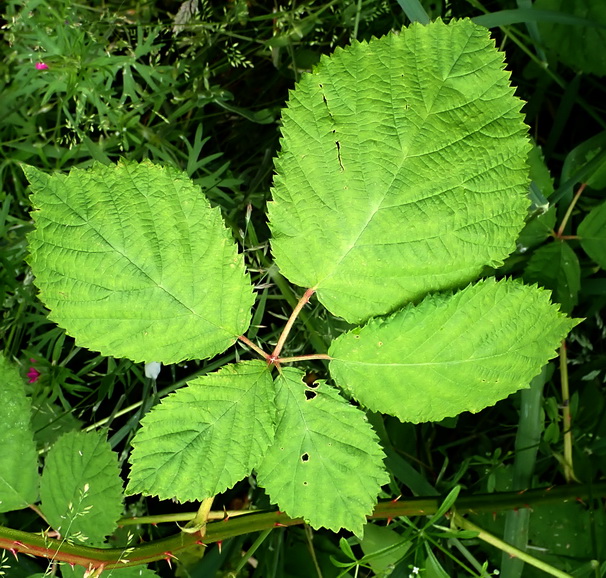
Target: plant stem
[[569, 210], [530, 428], [508, 548], [169, 548], [253, 346], [566, 421], [260, 539], [305, 357], [181, 517], [282, 340]]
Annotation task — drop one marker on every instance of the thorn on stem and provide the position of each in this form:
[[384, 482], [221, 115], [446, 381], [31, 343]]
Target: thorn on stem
[[168, 557]]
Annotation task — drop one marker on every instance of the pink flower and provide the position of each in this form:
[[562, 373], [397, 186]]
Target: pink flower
[[41, 66], [33, 374]]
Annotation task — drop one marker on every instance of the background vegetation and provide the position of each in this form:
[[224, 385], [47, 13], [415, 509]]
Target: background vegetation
[[200, 86]]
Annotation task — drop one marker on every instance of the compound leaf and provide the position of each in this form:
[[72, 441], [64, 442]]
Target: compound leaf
[[325, 464], [81, 489], [133, 262], [18, 459], [207, 436], [398, 155], [451, 353], [593, 235]]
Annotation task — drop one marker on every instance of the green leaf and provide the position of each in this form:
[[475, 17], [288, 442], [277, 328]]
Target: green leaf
[[397, 155], [50, 422], [433, 568], [539, 173], [81, 489], [207, 436], [325, 464], [593, 235], [583, 154], [383, 548], [575, 46], [556, 267], [132, 262], [18, 459], [451, 353], [537, 230]]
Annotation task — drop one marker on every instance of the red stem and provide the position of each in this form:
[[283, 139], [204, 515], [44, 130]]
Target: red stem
[[282, 340]]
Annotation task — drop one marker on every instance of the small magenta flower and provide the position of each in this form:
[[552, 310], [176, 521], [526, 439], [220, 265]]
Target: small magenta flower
[[33, 374], [41, 66]]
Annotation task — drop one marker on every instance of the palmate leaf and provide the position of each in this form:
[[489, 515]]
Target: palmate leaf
[[451, 353], [81, 489], [402, 170], [133, 262], [18, 459], [325, 464], [207, 436]]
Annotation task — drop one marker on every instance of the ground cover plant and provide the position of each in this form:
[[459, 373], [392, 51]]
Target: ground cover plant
[[398, 280]]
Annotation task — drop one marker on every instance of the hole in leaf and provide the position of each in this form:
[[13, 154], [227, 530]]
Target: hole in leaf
[[310, 394], [313, 385], [304, 483], [305, 457]]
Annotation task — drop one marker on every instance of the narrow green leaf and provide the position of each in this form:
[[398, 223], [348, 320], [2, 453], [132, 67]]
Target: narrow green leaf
[[451, 353], [445, 506], [590, 150], [325, 464], [414, 11], [346, 549], [133, 262], [396, 155], [593, 235], [433, 568], [50, 422], [18, 458], [556, 267], [527, 15], [575, 45], [81, 489], [207, 436]]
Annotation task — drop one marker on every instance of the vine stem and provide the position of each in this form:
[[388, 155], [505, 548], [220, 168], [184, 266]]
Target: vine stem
[[284, 336], [169, 548], [569, 211]]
